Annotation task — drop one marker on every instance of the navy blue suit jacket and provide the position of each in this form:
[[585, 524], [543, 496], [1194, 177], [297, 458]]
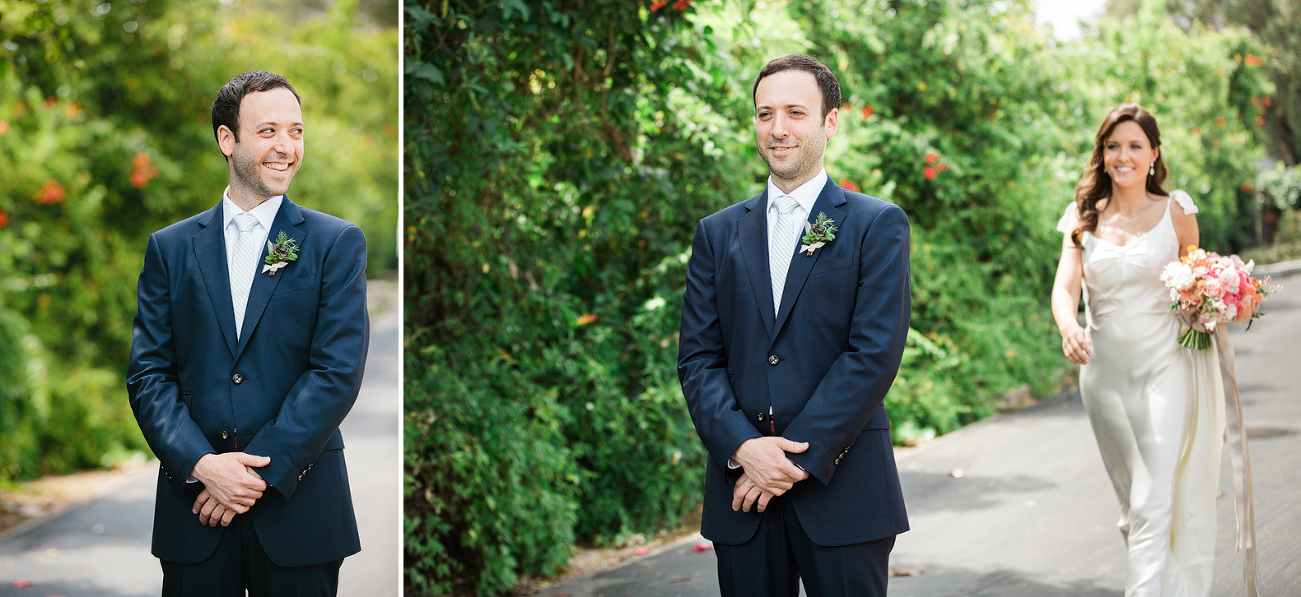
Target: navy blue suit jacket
[[823, 364], [280, 390]]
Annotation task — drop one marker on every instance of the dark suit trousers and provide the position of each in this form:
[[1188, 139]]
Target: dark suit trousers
[[772, 562], [239, 563]]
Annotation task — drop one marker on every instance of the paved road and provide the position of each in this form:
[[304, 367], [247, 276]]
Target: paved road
[[1033, 514], [101, 548]]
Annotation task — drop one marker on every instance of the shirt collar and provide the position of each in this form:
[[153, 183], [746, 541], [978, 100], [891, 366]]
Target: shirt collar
[[806, 194], [265, 212]]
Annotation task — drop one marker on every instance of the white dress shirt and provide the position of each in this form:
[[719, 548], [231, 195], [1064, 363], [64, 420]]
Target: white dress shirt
[[806, 194], [265, 214]]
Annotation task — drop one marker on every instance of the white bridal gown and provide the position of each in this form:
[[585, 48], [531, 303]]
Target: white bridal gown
[[1157, 410]]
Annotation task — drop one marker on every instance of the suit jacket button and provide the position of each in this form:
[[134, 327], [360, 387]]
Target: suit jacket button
[[237, 379], [773, 360], [225, 435]]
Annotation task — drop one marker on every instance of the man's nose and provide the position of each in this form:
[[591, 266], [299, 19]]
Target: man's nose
[[779, 125], [284, 143]]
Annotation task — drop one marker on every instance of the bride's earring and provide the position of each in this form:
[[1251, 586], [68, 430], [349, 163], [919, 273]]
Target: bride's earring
[[1151, 169]]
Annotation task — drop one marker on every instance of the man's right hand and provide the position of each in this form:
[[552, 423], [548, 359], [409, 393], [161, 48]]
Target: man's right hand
[[765, 463], [229, 478]]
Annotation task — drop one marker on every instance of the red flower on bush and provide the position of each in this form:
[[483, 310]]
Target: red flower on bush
[[1246, 187], [1220, 121], [942, 166], [4, 126], [4, 218], [658, 4], [1260, 121], [144, 171], [19, 108], [867, 112], [1253, 60], [681, 5], [51, 192], [1197, 131], [931, 158], [929, 173], [1269, 102], [586, 318], [848, 185]]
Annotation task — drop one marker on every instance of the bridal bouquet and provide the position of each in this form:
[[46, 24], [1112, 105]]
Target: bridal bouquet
[[1216, 290]]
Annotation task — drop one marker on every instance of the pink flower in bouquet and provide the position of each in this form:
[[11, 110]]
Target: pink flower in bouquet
[[1216, 289], [1210, 286]]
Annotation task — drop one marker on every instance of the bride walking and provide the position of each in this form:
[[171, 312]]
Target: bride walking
[[1157, 408]]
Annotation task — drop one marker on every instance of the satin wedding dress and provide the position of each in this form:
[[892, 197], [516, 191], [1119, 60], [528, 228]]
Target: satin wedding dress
[[1157, 410]]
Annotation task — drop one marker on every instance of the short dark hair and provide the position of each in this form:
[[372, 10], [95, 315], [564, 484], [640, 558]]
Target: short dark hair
[[827, 82], [225, 109]]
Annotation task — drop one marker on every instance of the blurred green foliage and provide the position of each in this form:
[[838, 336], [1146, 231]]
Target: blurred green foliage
[[105, 137], [559, 154]]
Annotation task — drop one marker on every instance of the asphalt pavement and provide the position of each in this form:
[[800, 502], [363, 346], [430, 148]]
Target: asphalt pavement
[[1019, 505], [101, 548]]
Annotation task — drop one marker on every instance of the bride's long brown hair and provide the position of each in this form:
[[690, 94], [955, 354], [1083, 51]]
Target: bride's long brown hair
[[1095, 185]]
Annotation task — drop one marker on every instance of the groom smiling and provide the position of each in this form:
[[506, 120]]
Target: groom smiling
[[793, 326], [246, 355]]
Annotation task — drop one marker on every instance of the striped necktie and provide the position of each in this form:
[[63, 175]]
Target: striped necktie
[[781, 246], [243, 264]]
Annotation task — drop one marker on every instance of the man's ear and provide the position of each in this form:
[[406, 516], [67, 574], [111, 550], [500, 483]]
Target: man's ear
[[226, 140], [832, 120]]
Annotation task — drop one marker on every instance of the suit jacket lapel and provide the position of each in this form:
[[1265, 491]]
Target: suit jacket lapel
[[829, 200], [287, 219], [210, 252], [752, 230]]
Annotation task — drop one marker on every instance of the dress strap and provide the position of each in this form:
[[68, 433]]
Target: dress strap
[[1184, 200]]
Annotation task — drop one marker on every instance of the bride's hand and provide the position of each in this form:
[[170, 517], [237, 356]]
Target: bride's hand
[[1077, 346], [1190, 319]]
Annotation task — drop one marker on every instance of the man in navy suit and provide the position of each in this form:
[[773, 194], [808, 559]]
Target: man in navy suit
[[787, 350], [242, 368]]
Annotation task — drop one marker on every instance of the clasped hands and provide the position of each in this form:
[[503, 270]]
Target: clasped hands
[[230, 486], [767, 471]]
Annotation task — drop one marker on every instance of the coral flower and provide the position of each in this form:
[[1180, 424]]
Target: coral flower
[[51, 192], [929, 173]]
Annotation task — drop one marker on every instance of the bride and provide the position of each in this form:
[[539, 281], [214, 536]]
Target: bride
[[1157, 408]]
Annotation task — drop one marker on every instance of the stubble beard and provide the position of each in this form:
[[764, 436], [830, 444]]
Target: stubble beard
[[248, 175], [806, 165]]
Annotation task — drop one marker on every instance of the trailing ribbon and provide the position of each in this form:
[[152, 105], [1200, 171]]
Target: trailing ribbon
[[1240, 460]]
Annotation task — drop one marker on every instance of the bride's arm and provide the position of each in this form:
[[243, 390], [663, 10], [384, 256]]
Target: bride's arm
[[1066, 303]]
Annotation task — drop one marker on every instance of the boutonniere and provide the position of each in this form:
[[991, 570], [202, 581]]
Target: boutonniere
[[280, 253], [819, 233]]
